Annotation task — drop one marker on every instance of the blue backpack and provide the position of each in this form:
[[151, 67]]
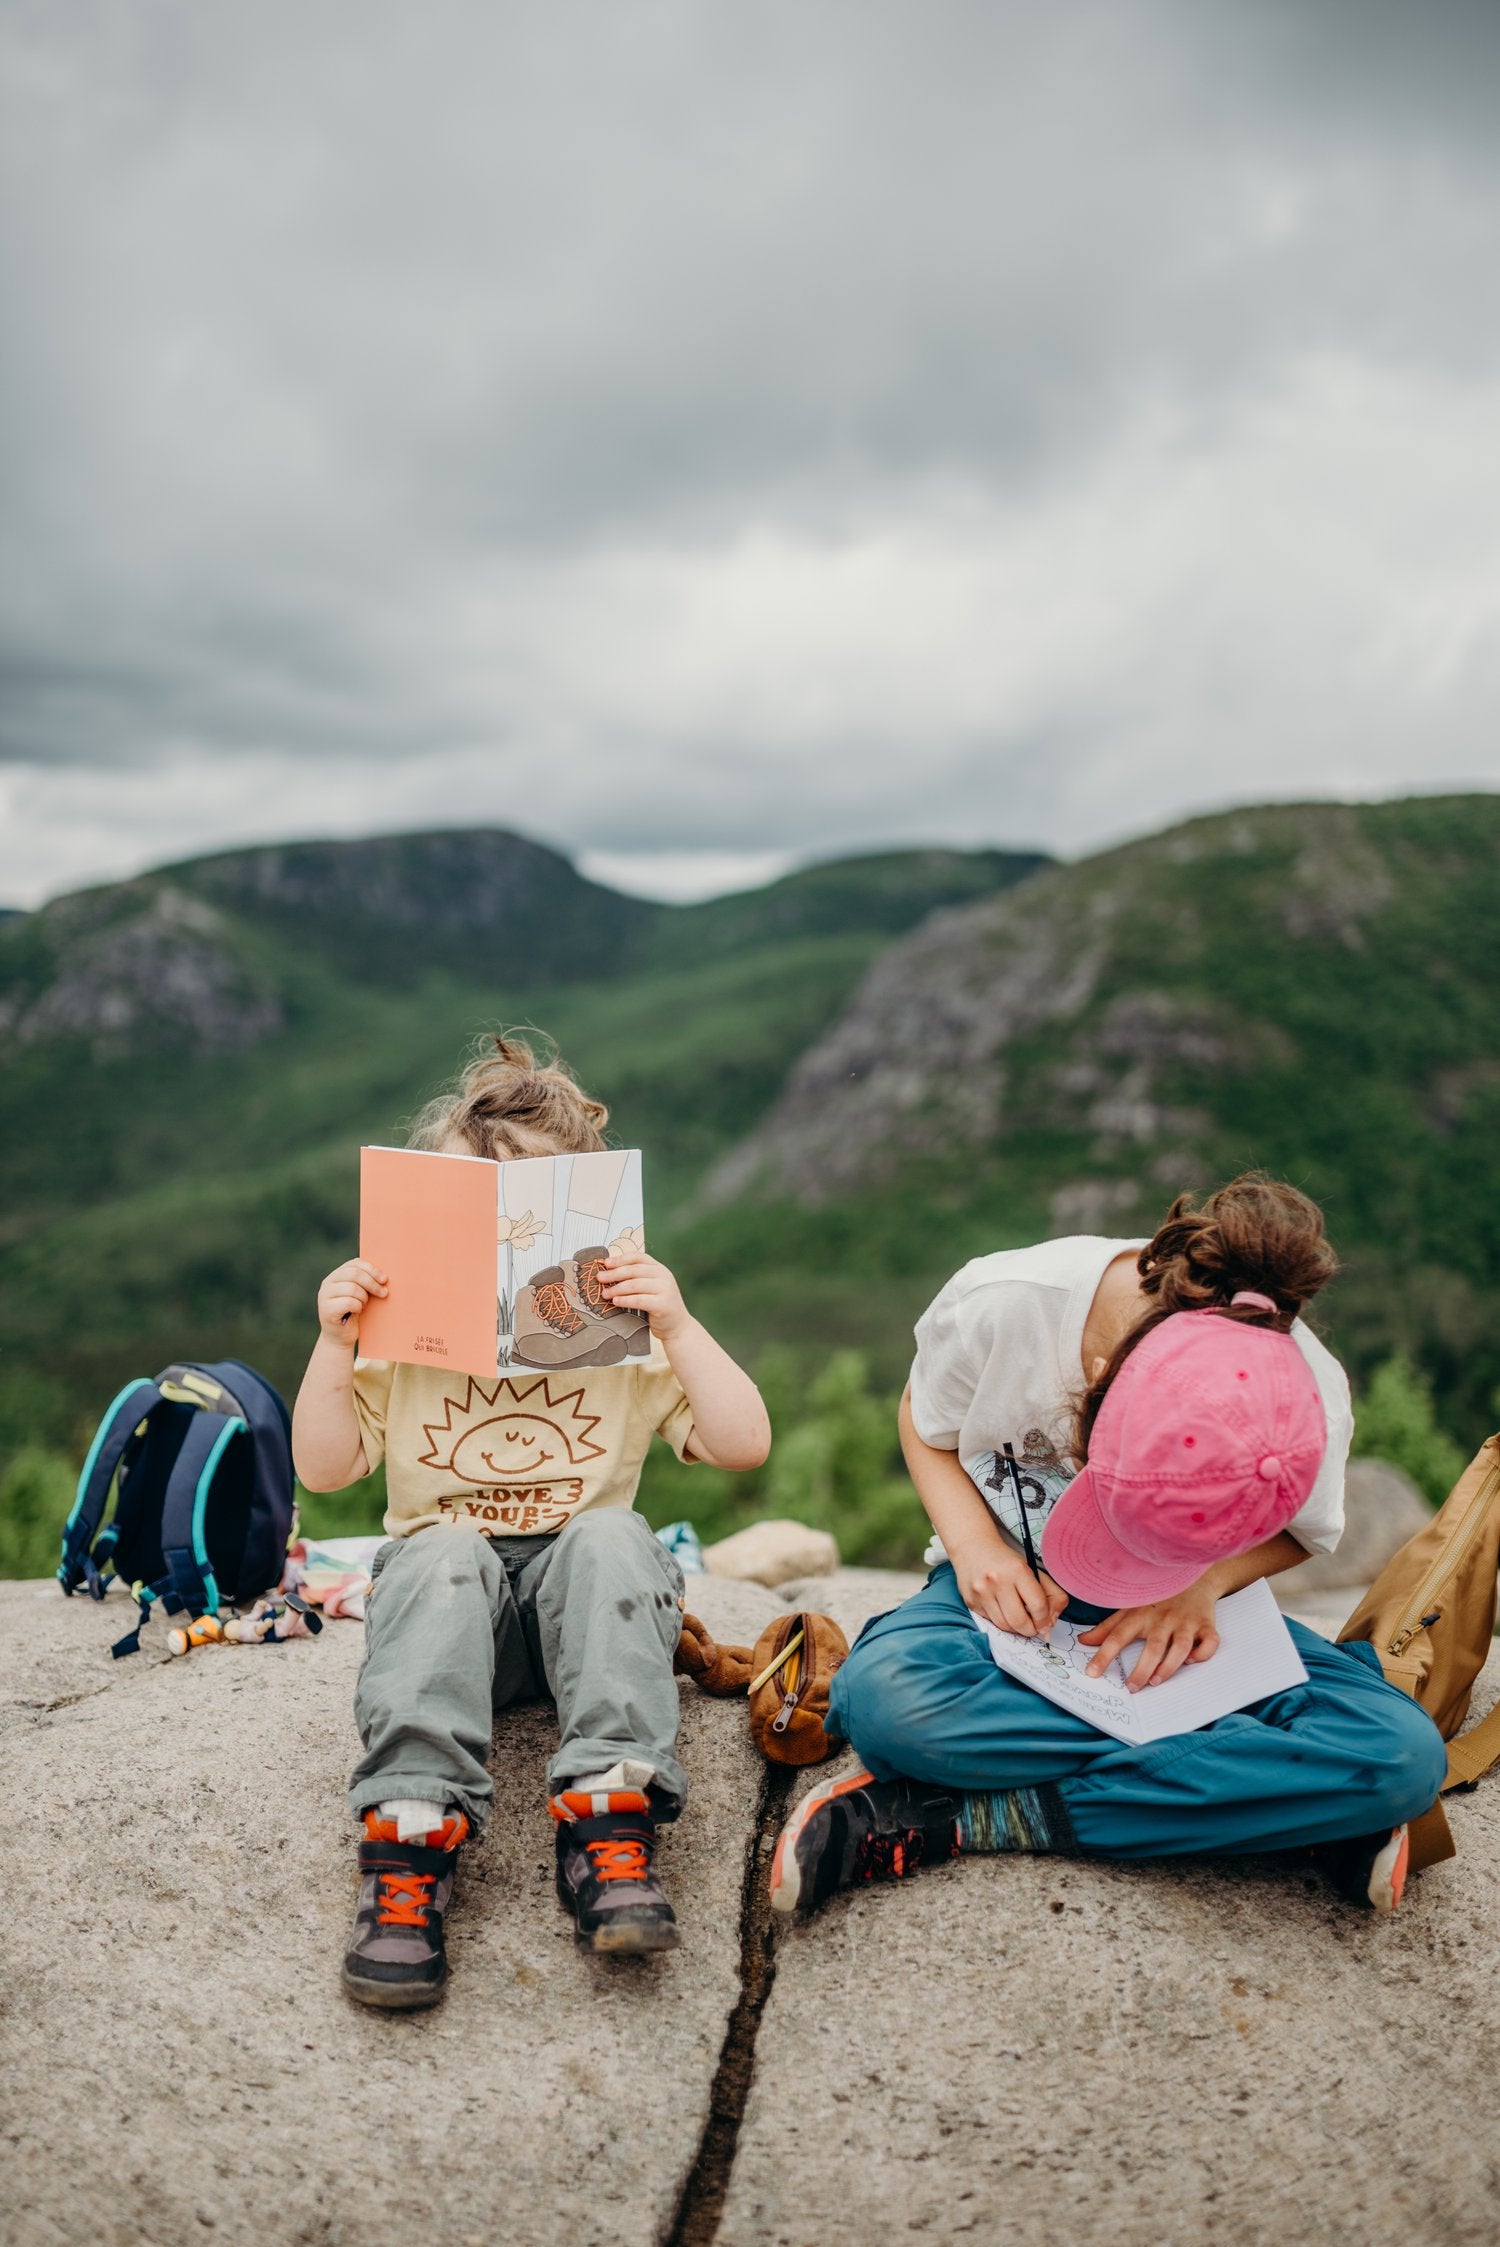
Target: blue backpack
[[204, 1507]]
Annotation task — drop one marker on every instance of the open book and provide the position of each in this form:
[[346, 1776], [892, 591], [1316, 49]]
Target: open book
[[496, 1264], [1255, 1657]]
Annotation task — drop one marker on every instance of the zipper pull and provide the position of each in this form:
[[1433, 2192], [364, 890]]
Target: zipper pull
[[799, 1642], [1403, 1639]]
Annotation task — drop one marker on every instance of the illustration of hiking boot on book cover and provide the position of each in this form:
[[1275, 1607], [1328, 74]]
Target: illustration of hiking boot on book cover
[[563, 1318], [588, 1269]]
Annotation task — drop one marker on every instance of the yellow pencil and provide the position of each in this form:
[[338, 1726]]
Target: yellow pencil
[[771, 1668]]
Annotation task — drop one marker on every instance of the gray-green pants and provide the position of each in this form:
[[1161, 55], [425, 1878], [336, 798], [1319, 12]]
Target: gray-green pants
[[458, 1625]]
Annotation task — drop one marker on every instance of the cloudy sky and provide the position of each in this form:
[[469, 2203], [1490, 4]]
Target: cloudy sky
[[707, 435]]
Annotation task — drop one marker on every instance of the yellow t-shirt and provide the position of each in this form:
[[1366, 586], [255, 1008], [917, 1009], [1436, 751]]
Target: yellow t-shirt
[[518, 1455]]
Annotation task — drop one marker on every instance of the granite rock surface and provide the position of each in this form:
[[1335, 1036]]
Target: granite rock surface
[[1147, 2055], [1152, 2054], [179, 2063]]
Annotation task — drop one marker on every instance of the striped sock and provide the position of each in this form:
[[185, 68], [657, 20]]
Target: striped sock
[[1033, 1819]]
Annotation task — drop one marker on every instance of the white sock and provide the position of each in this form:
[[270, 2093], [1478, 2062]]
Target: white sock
[[621, 1778], [414, 1820]]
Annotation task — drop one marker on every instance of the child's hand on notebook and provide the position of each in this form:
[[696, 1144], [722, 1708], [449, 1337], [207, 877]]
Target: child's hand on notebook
[[634, 1281], [1175, 1630], [343, 1295]]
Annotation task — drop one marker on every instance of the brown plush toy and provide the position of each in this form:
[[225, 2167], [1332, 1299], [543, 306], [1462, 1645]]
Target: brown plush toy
[[718, 1669]]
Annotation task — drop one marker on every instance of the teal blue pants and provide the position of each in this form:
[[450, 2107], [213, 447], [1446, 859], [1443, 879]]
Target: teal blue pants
[[921, 1698]]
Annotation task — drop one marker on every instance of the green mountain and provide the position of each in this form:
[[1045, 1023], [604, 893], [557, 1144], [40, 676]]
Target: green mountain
[[1311, 988], [847, 1082], [191, 1059]]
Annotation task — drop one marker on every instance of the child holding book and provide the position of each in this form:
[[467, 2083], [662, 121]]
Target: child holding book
[[1207, 1451], [571, 1596]]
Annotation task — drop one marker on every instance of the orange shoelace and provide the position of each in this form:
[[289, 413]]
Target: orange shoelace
[[591, 1288], [552, 1305], [623, 1857], [405, 1899]]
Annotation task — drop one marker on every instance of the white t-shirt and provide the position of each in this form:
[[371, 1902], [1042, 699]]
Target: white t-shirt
[[998, 1375]]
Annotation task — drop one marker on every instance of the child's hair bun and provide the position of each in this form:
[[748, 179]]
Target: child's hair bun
[[513, 1099], [1254, 1234]]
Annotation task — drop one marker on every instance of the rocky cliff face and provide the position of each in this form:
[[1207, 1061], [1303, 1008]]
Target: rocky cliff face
[[467, 880], [207, 954], [917, 1066], [137, 964], [1114, 1005], [477, 901]]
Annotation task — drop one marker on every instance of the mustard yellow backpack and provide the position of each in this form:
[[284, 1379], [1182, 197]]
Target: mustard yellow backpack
[[1430, 1616]]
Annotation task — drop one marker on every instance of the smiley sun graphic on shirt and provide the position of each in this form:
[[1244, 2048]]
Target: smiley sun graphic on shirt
[[527, 1435]]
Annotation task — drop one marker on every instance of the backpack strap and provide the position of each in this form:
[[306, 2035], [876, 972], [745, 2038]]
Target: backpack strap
[[1474, 1751], [184, 1547], [268, 1516], [1430, 1839], [1469, 1757], [135, 1403]]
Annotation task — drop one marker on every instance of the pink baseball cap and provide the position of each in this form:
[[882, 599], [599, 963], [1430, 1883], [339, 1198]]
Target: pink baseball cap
[[1208, 1441]]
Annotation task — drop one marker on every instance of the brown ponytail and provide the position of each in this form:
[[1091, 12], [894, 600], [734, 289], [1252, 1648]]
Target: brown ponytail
[[512, 1101], [1254, 1234]]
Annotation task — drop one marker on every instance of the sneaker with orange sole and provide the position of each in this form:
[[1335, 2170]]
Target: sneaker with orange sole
[[855, 1828], [1369, 1870], [396, 1957], [606, 1875]]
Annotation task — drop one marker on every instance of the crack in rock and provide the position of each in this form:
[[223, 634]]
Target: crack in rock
[[701, 2203]]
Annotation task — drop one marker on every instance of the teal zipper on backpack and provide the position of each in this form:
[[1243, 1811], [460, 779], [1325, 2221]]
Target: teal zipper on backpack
[[227, 1433]]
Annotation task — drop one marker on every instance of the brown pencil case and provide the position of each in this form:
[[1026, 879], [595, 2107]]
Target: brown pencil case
[[788, 1707], [790, 1668]]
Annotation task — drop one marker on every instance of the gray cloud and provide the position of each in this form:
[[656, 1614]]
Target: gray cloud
[[704, 434]]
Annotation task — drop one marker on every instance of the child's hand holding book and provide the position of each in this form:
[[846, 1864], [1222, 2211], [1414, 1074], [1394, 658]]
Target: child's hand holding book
[[342, 1297], [634, 1281]]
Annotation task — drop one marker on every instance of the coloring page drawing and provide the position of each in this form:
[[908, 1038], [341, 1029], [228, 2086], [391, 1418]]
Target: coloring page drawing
[[1062, 1655], [1256, 1657]]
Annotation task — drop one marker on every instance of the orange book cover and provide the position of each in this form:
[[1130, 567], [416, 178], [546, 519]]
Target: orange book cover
[[428, 1222], [498, 1264]]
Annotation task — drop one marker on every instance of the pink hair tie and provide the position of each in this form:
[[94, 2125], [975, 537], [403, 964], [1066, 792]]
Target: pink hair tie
[[1250, 1301]]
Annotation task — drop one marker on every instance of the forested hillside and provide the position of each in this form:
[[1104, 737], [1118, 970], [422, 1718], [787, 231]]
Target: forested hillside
[[190, 1062], [845, 1083], [1311, 988]]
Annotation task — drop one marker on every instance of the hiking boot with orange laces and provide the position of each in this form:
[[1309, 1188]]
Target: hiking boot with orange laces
[[588, 1266], [395, 1956], [605, 1875], [552, 1330], [549, 1294]]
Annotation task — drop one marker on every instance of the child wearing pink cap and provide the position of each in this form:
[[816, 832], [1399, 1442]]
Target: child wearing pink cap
[[1129, 1431]]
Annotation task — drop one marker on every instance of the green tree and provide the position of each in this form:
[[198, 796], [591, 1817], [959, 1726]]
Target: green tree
[[835, 1464], [1394, 1420], [36, 1496], [358, 1511], [839, 1468]]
